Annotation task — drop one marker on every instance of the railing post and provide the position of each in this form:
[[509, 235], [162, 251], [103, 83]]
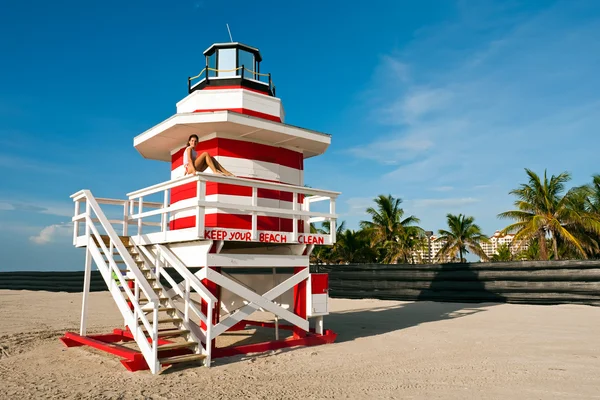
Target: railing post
[[254, 215], [164, 216], [186, 314], [126, 218], [306, 207], [111, 250], [332, 221], [242, 71], [88, 213], [200, 196], [206, 73], [136, 294], [140, 208], [76, 223], [295, 217]]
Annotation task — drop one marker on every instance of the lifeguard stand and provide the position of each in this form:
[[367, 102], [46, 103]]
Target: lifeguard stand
[[206, 249]]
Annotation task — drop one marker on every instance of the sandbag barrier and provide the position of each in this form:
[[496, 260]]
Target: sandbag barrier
[[530, 282]]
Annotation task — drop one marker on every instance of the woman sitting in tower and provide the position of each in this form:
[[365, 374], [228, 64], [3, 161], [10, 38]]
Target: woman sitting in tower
[[194, 163]]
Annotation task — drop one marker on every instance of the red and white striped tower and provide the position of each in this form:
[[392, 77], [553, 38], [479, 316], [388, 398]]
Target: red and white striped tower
[[232, 108]]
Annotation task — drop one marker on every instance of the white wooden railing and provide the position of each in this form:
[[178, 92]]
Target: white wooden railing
[[140, 209], [92, 215]]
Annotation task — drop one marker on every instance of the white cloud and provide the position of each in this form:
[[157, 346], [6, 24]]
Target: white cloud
[[53, 233], [392, 150], [419, 103]]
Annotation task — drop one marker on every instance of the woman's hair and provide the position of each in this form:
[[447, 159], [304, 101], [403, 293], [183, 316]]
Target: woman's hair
[[190, 138]]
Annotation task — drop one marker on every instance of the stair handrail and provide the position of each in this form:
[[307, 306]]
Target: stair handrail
[[111, 233], [186, 274]]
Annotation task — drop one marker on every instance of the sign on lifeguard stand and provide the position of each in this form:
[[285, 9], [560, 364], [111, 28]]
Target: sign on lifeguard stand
[[243, 221]]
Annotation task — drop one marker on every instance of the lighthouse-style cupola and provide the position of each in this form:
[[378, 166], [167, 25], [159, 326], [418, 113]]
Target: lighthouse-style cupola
[[232, 64]]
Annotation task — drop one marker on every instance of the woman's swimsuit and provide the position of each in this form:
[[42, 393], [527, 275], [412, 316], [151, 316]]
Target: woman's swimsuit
[[185, 158]]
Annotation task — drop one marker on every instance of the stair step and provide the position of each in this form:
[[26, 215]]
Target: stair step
[[180, 359], [165, 321], [173, 332], [124, 239], [145, 301], [123, 262], [148, 279], [173, 346], [164, 309]]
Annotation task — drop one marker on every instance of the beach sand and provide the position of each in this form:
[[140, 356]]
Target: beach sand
[[385, 349]]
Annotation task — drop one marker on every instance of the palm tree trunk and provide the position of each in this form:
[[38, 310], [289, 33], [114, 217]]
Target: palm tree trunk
[[542, 243], [460, 252], [555, 247]]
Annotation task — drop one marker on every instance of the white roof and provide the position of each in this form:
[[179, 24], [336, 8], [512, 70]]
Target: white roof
[[157, 142]]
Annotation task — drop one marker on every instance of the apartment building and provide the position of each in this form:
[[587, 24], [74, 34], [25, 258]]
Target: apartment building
[[497, 240]]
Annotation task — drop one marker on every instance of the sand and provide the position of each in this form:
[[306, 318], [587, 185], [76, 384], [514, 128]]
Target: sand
[[385, 349]]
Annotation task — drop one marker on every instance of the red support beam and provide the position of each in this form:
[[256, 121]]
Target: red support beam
[[299, 303], [312, 340], [108, 347]]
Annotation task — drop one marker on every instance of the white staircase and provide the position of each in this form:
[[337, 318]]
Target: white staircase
[[150, 310]]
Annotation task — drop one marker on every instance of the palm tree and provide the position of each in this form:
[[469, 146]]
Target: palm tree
[[503, 253], [462, 237], [326, 254], [389, 232], [542, 210], [353, 247]]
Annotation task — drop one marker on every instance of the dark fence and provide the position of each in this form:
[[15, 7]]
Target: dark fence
[[73, 281], [531, 282]]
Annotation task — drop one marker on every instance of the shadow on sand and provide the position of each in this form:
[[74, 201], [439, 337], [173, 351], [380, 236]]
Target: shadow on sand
[[354, 324]]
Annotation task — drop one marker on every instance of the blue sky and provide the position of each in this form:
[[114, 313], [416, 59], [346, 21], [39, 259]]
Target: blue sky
[[440, 103]]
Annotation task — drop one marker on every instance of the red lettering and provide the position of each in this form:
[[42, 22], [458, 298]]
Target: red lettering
[[261, 237], [248, 236]]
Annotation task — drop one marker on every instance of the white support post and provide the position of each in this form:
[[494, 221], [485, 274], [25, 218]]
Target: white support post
[[209, 331], [275, 283], [254, 216], [126, 218], [332, 221], [86, 288], [140, 210], [76, 223], [319, 325], [295, 217], [200, 196], [154, 336]]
